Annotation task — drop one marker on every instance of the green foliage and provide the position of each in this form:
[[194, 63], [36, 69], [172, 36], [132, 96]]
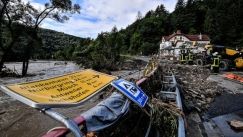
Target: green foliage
[[54, 41], [102, 53], [134, 43], [192, 31], [224, 21], [146, 30], [148, 48]]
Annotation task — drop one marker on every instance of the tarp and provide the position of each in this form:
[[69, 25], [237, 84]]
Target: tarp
[[106, 112]]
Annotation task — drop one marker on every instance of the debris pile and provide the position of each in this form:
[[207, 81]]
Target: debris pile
[[165, 115], [131, 64], [197, 91], [7, 72]]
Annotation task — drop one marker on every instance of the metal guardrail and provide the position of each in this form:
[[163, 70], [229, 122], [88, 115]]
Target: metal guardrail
[[169, 82], [70, 124]]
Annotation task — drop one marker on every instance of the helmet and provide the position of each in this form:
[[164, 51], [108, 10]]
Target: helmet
[[215, 53]]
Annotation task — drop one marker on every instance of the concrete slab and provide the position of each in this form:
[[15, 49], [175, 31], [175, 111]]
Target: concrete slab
[[222, 123], [194, 128], [212, 129], [228, 85]]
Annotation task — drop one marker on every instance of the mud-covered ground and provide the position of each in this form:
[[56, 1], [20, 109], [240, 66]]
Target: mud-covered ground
[[20, 120]]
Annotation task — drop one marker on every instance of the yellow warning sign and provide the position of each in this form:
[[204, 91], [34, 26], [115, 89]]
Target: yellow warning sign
[[69, 88]]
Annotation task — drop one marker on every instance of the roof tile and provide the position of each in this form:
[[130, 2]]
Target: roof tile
[[190, 37]]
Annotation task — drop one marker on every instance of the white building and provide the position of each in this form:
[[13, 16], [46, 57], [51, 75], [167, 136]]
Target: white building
[[166, 48]]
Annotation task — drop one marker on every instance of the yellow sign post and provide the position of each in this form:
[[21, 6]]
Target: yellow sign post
[[70, 88]]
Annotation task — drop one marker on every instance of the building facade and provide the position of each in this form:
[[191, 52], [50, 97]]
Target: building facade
[[166, 48]]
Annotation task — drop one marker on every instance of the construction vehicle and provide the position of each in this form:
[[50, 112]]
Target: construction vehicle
[[230, 57]]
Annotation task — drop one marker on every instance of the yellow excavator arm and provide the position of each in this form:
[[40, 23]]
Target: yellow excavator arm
[[207, 46], [194, 43], [175, 42]]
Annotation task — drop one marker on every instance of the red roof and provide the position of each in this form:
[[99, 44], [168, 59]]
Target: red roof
[[167, 38], [196, 37], [190, 37]]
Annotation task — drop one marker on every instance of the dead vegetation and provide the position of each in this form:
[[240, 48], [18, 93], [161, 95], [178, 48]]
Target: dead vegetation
[[7, 72]]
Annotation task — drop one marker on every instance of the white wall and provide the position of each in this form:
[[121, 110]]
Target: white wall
[[165, 44]]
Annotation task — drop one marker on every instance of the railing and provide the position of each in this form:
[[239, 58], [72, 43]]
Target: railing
[[169, 82]]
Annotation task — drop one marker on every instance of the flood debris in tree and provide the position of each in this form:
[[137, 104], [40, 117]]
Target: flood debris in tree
[[7, 72]]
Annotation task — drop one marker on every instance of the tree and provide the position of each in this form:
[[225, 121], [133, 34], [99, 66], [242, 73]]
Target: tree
[[148, 48], [102, 53], [161, 11], [139, 16], [14, 14], [11, 30], [135, 43], [224, 21], [180, 5]]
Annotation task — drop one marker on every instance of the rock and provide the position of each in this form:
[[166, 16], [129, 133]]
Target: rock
[[237, 124]]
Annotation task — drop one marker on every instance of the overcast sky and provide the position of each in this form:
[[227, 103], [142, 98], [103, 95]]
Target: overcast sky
[[102, 15]]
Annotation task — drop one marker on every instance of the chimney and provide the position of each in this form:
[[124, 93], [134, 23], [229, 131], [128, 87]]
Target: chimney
[[200, 36], [178, 32]]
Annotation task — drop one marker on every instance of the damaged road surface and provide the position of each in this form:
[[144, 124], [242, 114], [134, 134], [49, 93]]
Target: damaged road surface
[[224, 110]]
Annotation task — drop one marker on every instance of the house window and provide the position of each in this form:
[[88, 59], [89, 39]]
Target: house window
[[180, 38]]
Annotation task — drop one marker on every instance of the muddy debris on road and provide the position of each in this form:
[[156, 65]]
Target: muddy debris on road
[[197, 92]]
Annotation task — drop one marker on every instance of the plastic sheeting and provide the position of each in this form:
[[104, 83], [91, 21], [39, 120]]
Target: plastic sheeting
[[106, 112]]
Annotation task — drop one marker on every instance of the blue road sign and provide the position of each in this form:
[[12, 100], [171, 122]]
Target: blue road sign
[[132, 91]]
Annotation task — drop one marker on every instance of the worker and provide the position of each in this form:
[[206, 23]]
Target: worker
[[215, 65], [182, 55], [190, 57], [182, 59]]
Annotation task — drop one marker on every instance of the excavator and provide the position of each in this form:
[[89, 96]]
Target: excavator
[[174, 43], [230, 57]]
